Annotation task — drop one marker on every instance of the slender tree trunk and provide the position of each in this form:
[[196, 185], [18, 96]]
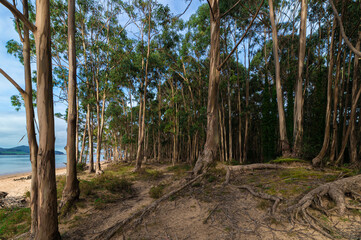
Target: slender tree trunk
[[326, 140], [71, 190], [353, 134], [230, 155], [221, 147], [281, 112], [29, 109], [212, 138], [77, 130], [47, 208], [142, 119], [298, 117], [83, 142], [239, 112], [333, 150], [90, 140], [246, 125], [100, 134], [159, 119]]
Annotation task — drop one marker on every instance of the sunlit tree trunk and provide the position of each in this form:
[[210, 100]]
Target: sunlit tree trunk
[[212, 139], [298, 112], [47, 208], [71, 190], [326, 140], [281, 112]]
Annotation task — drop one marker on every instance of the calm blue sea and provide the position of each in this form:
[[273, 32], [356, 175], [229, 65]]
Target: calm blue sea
[[10, 164]]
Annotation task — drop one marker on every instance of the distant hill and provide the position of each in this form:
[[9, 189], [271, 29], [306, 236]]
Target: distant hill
[[21, 150]]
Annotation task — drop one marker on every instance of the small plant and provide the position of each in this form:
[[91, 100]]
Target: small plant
[[149, 175], [157, 191], [27, 194], [14, 222], [113, 184], [80, 167]]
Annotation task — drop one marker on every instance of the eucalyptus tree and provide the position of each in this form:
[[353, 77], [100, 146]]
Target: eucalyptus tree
[[211, 145], [71, 190], [27, 95], [47, 205]]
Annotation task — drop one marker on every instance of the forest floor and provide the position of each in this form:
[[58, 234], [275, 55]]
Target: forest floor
[[206, 209]]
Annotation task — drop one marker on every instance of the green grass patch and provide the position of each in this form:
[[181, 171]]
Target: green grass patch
[[180, 170], [60, 184], [148, 175], [119, 169], [288, 160], [113, 183], [80, 167], [14, 222], [157, 191]]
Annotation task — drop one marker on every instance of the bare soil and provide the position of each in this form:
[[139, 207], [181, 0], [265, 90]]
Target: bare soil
[[209, 209]]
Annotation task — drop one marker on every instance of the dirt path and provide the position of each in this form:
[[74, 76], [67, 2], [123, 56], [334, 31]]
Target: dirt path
[[94, 221]]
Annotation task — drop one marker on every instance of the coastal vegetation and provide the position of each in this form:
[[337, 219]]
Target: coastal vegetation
[[241, 121]]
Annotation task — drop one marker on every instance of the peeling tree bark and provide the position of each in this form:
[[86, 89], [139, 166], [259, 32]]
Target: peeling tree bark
[[298, 117], [281, 112], [326, 140], [71, 190], [47, 211], [212, 139]]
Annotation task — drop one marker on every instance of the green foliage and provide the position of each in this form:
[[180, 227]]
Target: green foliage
[[14, 222], [149, 175], [180, 170], [157, 191], [80, 167], [113, 184], [288, 160]]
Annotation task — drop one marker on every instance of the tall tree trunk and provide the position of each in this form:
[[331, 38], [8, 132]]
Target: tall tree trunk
[[212, 139], [333, 150], [326, 140], [47, 208], [298, 117], [71, 190], [90, 139], [281, 112], [77, 130], [100, 134], [30, 126], [239, 112], [83, 142], [138, 163], [230, 155], [353, 134], [159, 119], [246, 125]]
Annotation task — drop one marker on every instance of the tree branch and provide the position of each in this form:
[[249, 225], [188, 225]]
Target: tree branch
[[243, 36], [229, 10], [177, 17], [210, 7], [349, 44], [12, 81], [19, 15]]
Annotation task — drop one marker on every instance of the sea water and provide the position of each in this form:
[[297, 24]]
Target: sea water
[[11, 164]]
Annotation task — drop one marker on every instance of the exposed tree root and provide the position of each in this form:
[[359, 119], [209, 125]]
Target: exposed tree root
[[262, 195], [138, 216], [256, 166], [336, 191]]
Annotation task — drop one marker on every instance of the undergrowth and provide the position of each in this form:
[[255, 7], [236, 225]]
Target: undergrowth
[[14, 222]]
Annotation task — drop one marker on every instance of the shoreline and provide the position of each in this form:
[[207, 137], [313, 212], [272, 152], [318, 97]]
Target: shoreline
[[24, 174], [16, 185]]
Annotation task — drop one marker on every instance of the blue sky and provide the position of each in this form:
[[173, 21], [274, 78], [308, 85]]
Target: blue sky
[[12, 123]]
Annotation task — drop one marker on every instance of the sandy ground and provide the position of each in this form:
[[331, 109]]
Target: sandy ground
[[19, 187], [16, 186]]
